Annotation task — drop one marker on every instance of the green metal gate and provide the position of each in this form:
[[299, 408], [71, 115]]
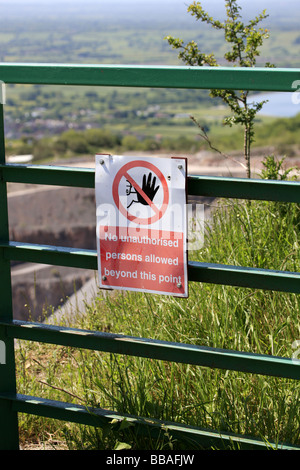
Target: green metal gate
[[11, 403]]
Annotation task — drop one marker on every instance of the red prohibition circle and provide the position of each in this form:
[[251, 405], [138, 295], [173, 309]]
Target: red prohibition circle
[[115, 190]]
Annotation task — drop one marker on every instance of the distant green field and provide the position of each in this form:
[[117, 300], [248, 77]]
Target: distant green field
[[127, 44], [89, 40]]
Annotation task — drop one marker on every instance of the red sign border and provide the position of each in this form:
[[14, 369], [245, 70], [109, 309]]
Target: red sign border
[[115, 193]]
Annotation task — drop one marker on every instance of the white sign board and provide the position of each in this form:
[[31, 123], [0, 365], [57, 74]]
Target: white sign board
[[142, 224]]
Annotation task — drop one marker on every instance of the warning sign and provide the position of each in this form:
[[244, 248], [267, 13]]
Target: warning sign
[[142, 224]]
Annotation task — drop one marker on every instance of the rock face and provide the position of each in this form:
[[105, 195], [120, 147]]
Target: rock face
[[38, 292], [61, 217]]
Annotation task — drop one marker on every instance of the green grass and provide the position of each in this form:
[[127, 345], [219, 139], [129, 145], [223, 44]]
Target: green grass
[[168, 131], [131, 43], [259, 234]]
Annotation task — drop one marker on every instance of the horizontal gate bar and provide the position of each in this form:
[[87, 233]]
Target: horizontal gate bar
[[235, 78], [99, 417], [48, 254], [244, 188], [155, 349], [239, 276], [48, 175], [202, 185]]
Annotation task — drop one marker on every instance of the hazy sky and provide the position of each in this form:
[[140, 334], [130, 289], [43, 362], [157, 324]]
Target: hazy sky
[[206, 3], [260, 4], [139, 4], [278, 10]]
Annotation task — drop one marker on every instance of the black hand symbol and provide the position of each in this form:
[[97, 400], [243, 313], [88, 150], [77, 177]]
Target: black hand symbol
[[149, 189]]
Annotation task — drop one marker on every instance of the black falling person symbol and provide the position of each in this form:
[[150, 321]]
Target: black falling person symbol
[[148, 188]]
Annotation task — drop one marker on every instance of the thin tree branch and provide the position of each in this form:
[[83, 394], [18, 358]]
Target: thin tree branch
[[207, 140]]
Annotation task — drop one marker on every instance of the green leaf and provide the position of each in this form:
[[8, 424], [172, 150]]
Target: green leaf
[[122, 446]]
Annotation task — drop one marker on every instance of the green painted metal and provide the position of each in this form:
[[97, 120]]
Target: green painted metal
[[155, 428], [47, 254], [201, 185], [48, 175], [9, 438], [198, 185], [244, 188], [156, 349], [144, 426], [263, 79], [239, 276]]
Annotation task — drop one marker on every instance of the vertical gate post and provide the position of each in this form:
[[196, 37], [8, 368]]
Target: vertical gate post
[[9, 435]]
